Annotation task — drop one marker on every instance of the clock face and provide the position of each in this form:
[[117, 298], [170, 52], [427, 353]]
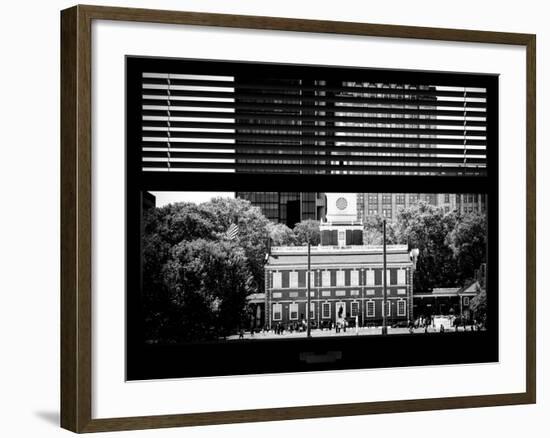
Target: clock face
[[341, 203]]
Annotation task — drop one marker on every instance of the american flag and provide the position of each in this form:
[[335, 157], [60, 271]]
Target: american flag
[[232, 231]]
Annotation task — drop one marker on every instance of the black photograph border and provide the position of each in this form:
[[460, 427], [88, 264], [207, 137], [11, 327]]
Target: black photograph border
[[151, 361]]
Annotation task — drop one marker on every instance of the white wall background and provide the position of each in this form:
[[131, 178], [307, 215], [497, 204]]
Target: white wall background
[[29, 217]]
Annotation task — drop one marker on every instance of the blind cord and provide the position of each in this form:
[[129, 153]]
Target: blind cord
[[168, 123]]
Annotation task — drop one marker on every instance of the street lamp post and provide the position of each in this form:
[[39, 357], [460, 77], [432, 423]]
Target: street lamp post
[[384, 270], [308, 288]]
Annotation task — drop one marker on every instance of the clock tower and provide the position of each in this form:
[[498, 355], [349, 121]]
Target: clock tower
[[341, 207], [341, 228]]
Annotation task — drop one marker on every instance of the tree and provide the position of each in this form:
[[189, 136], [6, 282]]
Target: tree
[[253, 231], [281, 235], [307, 230], [209, 283], [182, 226], [468, 241], [426, 227], [373, 231], [478, 305]]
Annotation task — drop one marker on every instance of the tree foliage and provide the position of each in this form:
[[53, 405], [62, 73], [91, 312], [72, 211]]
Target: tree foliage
[[468, 241], [451, 246], [281, 235], [426, 227], [478, 305], [209, 281], [307, 230], [373, 231], [195, 281]]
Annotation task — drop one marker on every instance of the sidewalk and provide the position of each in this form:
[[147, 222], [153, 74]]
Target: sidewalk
[[362, 331]]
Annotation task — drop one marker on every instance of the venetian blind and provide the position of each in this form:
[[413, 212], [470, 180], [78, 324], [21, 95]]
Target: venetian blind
[[310, 124]]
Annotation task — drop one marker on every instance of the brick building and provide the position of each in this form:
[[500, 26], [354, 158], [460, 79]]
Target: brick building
[[346, 280]]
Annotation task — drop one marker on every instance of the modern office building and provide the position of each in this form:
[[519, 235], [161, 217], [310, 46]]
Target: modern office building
[[288, 208], [387, 205]]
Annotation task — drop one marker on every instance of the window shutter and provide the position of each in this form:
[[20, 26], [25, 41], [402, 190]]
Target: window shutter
[[250, 117]]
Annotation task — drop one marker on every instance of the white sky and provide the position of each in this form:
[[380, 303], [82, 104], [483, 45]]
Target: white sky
[[164, 198]]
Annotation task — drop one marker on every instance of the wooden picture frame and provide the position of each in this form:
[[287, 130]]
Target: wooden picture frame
[[76, 218]]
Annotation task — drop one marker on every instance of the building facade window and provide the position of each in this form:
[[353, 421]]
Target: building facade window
[[277, 280], [466, 301], [277, 312], [386, 212], [293, 311], [312, 279], [341, 237], [340, 278], [401, 276], [401, 308], [294, 279], [370, 277], [354, 278], [400, 199], [370, 309], [326, 310], [311, 310], [340, 309], [373, 211], [354, 309], [326, 278], [386, 199]]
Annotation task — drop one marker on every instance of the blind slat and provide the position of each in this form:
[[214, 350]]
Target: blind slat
[[320, 119], [309, 158], [315, 148], [301, 98], [304, 88], [305, 128]]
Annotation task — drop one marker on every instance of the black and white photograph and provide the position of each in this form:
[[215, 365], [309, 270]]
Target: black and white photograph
[[232, 266], [291, 217]]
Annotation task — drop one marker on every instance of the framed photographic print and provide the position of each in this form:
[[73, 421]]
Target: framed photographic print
[[328, 218]]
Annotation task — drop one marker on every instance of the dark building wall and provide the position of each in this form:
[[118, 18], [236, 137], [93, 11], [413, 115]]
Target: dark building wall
[[286, 207], [148, 200]]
